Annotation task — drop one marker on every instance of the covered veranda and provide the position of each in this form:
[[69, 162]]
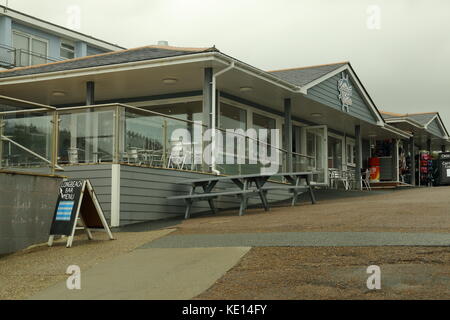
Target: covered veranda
[[123, 115]]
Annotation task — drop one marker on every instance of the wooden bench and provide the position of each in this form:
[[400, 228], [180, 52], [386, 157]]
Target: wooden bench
[[197, 197]]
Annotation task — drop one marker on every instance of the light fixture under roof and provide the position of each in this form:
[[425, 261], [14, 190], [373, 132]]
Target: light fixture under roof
[[170, 80], [316, 115], [246, 89], [58, 94]]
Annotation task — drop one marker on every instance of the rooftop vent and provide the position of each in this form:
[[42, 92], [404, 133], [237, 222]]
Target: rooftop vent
[[163, 43]]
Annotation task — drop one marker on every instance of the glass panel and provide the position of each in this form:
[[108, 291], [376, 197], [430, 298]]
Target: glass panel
[[334, 153], [67, 51], [233, 118], [27, 134], [86, 136], [155, 140], [39, 49], [316, 149], [23, 44]]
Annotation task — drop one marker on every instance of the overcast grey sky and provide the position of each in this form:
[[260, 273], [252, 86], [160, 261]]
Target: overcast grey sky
[[405, 64]]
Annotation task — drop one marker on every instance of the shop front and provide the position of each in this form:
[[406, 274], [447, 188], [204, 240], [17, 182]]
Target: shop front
[[119, 124]]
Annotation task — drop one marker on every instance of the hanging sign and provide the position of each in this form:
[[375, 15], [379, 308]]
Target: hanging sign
[[345, 92], [77, 208]]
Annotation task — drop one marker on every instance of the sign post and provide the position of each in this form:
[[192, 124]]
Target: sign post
[[77, 209]]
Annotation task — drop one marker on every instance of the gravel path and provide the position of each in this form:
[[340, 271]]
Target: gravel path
[[421, 210], [336, 273]]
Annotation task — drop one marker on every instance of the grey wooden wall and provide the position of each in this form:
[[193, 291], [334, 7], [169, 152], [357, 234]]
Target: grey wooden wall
[[435, 129], [144, 193], [100, 177], [327, 93]]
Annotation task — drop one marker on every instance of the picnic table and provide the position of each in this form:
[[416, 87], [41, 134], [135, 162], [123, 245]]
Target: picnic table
[[247, 186]]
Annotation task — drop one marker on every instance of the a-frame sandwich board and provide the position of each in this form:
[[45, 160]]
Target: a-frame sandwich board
[[77, 205]]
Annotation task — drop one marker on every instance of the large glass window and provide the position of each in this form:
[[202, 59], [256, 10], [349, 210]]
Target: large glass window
[[263, 122], [232, 117], [334, 153]]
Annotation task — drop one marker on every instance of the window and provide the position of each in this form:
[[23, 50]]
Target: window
[[232, 117], [67, 50], [31, 50], [351, 153]]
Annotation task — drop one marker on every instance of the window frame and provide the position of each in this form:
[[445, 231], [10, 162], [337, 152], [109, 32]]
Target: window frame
[[67, 43], [350, 143], [31, 37]]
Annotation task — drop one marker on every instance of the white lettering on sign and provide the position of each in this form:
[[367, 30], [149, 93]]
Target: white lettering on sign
[[72, 184]]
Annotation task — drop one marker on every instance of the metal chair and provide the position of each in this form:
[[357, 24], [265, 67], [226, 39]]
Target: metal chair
[[365, 180], [178, 156], [337, 176]]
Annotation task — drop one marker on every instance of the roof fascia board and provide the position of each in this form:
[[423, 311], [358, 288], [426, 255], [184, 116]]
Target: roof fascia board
[[64, 32], [407, 120], [398, 131], [261, 74]]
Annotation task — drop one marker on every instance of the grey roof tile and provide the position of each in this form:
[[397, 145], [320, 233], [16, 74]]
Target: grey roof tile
[[117, 57], [303, 76]]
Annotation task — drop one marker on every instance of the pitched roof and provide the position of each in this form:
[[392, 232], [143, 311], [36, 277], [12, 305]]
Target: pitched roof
[[109, 58], [305, 75], [421, 118]]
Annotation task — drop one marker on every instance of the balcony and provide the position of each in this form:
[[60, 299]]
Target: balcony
[[11, 57], [36, 137]]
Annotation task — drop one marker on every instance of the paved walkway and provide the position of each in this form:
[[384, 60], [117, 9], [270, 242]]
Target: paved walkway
[[302, 239], [151, 274]]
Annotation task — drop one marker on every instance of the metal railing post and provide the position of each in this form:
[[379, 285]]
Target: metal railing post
[[117, 132], [2, 125], [165, 158], [55, 132]]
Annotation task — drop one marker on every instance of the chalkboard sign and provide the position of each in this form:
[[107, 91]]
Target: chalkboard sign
[[67, 207], [77, 207]]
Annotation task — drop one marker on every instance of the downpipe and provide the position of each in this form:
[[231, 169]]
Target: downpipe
[[214, 116]]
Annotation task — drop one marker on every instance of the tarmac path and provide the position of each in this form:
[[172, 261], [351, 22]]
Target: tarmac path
[[302, 239]]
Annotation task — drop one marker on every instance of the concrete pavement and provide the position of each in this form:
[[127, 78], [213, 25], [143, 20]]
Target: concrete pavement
[[151, 274]]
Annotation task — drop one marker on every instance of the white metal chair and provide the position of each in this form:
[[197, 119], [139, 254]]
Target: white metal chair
[[178, 156], [337, 176], [133, 155], [366, 180]]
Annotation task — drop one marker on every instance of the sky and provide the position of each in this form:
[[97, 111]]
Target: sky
[[400, 49]]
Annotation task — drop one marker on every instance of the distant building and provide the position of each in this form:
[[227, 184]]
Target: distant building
[[26, 41]]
